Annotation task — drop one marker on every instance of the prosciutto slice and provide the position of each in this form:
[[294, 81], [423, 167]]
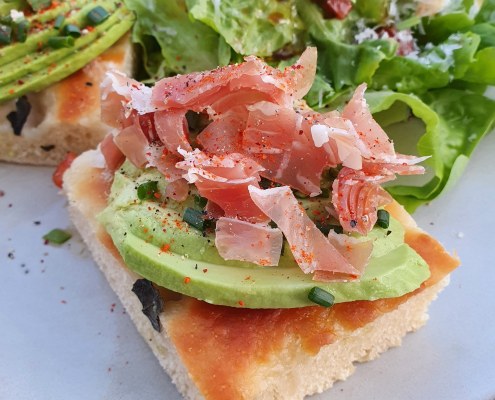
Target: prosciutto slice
[[244, 241], [311, 249], [132, 142], [204, 89], [278, 138], [223, 136], [120, 95], [369, 131], [224, 180], [357, 196], [171, 128], [112, 154], [356, 251]]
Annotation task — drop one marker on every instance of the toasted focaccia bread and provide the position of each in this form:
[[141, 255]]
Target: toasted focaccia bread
[[40, 128], [218, 352]]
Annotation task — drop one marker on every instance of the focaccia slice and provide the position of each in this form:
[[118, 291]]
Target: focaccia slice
[[217, 352], [40, 128]]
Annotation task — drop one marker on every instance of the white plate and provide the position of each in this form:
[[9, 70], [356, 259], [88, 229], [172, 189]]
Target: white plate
[[64, 334]]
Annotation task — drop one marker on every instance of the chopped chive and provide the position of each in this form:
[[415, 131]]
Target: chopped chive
[[147, 190], [200, 201], [321, 297], [72, 30], [57, 236], [21, 30], [37, 5], [326, 227], [300, 195], [59, 42], [97, 15], [196, 219], [59, 21], [383, 220], [325, 193], [6, 20], [5, 34]]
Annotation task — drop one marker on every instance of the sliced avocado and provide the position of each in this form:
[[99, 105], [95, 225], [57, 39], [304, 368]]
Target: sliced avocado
[[32, 65], [190, 264]]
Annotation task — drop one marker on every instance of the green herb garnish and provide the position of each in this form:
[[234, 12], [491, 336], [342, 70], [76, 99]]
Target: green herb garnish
[[326, 227], [196, 219], [97, 15], [5, 34], [21, 30], [200, 201], [321, 297], [59, 21], [60, 42], [57, 236], [383, 220], [72, 30], [147, 190]]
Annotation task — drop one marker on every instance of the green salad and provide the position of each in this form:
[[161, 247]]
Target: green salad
[[428, 76]]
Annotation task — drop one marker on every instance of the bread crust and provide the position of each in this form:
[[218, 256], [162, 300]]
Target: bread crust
[[302, 373], [65, 116]]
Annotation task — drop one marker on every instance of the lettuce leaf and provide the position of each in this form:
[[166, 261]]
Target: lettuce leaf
[[172, 42], [435, 67], [482, 70], [454, 121], [487, 12], [257, 27], [343, 64]]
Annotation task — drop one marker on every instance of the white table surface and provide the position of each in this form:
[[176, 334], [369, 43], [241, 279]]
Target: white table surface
[[64, 334]]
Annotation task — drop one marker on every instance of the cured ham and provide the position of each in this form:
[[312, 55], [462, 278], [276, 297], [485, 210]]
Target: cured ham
[[132, 142], [369, 131], [244, 241], [224, 130], [177, 190], [120, 95], [356, 197], [223, 136], [278, 139], [171, 128], [198, 91], [311, 249], [160, 158], [356, 251], [224, 180], [112, 154]]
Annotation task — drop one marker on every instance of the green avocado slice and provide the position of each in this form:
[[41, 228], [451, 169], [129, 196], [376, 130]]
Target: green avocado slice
[[25, 68], [190, 263]]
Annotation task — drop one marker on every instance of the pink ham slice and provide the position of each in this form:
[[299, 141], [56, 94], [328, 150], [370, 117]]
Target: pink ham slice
[[203, 90], [223, 136], [177, 190], [356, 251], [244, 241], [340, 140], [132, 142], [160, 158], [311, 249], [112, 154], [224, 180], [171, 128], [357, 196], [367, 128], [278, 138], [120, 95]]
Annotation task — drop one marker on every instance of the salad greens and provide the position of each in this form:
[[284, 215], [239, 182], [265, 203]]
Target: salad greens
[[432, 69]]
